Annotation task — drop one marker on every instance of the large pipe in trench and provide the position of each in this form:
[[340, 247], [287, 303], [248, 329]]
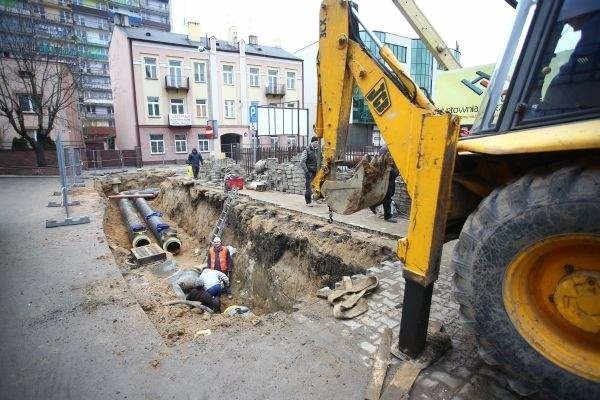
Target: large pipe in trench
[[135, 227], [166, 236]]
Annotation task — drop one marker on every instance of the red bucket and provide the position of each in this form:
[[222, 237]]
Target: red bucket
[[235, 182]]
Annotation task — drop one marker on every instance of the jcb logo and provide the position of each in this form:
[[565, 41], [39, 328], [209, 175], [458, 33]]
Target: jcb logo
[[379, 97]]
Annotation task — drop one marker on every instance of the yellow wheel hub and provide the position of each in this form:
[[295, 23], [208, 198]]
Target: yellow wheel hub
[[551, 293], [577, 298]]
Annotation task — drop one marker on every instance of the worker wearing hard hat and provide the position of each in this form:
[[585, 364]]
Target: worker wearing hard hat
[[219, 258]]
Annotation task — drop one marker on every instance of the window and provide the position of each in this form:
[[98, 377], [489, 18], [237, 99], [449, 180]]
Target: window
[[150, 67], [292, 141], [254, 76], [199, 72], [291, 104], [567, 79], [177, 106], [26, 103], [153, 106], [228, 74], [229, 109], [201, 108], [274, 142], [272, 77], [157, 144], [290, 80], [203, 145], [180, 144]]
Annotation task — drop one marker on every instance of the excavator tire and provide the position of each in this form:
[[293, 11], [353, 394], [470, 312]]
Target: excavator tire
[[560, 203]]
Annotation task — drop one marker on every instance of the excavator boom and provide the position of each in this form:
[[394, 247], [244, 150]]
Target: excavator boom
[[421, 142]]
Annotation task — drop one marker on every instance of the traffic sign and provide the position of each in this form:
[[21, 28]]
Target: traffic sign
[[253, 115]]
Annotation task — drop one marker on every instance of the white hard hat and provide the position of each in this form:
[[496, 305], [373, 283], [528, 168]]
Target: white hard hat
[[216, 239]]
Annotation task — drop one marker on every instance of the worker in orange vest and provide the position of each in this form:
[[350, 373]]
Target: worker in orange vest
[[219, 258]]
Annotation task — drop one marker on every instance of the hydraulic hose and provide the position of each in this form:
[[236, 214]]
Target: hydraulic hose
[[166, 236], [135, 226]]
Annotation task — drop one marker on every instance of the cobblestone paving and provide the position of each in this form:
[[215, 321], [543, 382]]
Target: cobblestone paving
[[459, 374]]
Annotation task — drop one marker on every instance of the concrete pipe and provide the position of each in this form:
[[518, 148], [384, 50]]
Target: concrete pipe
[[166, 236], [135, 227]]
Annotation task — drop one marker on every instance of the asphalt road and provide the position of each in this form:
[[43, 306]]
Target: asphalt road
[[71, 330]]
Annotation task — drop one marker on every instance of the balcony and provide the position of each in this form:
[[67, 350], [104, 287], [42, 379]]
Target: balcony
[[98, 131], [156, 9], [92, 115], [275, 90], [177, 83], [180, 119]]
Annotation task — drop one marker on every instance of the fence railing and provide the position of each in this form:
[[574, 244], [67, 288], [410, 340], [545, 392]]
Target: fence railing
[[247, 156]]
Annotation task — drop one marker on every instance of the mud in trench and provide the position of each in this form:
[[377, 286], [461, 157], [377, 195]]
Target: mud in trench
[[281, 257]]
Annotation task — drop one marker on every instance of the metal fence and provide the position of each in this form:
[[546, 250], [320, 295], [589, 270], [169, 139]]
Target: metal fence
[[247, 156], [99, 159]]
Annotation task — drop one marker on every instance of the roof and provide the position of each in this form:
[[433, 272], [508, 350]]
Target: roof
[[178, 39]]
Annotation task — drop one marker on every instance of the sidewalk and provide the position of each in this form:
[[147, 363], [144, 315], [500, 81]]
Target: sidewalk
[[364, 219]]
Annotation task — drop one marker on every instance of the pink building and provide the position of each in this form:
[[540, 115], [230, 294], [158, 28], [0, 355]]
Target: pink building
[[174, 92]]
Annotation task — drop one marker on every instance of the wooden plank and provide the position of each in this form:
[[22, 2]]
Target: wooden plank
[[380, 365], [400, 385]]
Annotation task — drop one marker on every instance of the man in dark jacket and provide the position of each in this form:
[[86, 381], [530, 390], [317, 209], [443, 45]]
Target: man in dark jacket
[[391, 189], [310, 161], [195, 160]]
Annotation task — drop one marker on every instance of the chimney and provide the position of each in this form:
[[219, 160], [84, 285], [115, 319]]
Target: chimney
[[193, 31], [233, 35], [253, 40]]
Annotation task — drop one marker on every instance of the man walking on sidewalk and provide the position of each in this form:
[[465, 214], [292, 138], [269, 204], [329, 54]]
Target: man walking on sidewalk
[[195, 160], [310, 161]]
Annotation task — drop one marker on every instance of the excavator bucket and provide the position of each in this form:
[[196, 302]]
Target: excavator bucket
[[366, 188]]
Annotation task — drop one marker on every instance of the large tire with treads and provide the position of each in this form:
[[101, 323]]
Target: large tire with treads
[[541, 204]]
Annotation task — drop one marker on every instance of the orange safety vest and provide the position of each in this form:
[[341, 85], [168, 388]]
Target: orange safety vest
[[221, 256]]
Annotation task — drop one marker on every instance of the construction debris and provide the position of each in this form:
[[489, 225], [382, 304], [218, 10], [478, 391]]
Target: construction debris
[[347, 300], [148, 254], [380, 365]]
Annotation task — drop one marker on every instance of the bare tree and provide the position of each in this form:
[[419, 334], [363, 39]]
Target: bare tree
[[38, 78]]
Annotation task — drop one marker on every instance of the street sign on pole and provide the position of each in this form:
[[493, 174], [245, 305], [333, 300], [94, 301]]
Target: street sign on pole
[[253, 115]]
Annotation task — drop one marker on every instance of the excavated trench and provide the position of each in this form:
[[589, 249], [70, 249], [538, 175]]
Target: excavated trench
[[281, 257]]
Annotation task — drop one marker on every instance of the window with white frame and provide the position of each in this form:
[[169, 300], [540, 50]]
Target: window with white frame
[[26, 102], [150, 67], [290, 80], [274, 142], [254, 75], [157, 144], [199, 72], [228, 74], [203, 144], [177, 106], [180, 143], [153, 106], [272, 75], [201, 108], [292, 141], [229, 108]]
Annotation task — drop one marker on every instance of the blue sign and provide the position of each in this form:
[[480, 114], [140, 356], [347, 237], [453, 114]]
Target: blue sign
[[253, 114]]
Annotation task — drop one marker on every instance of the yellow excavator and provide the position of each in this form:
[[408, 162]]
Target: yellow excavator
[[522, 191]]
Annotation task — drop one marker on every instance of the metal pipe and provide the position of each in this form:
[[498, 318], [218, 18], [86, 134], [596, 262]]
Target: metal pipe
[[135, 226], [166, 236]]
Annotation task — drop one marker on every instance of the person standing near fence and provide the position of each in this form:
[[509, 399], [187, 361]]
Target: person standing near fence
[[195, 160], [310, 161]]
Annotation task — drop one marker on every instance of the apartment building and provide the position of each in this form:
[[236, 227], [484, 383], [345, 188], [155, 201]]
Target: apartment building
[[175, 92], [412, 53], [85, 27]]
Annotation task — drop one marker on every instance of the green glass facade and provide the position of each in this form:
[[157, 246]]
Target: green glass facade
[[421, 65]]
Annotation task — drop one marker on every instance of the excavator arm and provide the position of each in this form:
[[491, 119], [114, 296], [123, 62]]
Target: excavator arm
[[421, 141]]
